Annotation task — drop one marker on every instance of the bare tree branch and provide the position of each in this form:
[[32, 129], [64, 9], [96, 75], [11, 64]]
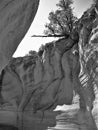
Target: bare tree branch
[[66, 36]]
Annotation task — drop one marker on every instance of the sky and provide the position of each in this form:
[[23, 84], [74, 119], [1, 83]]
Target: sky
[[38, 25]]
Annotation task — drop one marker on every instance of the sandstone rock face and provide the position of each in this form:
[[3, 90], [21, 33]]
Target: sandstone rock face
[[43, 83], [16, 17], [88, 56], [88, 48], [34, 83]]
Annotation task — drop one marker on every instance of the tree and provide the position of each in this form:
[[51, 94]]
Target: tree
[[32, 53], [61, 21]]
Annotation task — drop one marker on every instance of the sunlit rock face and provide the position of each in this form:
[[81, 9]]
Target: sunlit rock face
[[88, 48], [16, 17], [88, 57]]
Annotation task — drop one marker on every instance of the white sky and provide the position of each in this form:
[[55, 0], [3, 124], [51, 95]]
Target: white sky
[[37, 27]]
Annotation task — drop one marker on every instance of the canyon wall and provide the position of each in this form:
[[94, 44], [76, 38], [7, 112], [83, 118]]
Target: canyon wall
[[45, 79], [16, 17]]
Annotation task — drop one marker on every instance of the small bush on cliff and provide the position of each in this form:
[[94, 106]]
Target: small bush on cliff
[[61, 21]]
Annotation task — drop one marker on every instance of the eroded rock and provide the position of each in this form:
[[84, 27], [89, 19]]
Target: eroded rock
[[45, 81], [16, 17]]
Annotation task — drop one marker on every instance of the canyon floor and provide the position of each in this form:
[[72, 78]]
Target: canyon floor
[[63, 119]]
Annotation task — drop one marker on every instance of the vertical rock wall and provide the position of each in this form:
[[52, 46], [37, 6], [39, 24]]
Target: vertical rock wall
[[16, 17]]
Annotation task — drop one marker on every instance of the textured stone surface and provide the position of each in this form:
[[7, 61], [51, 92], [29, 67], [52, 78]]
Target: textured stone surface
[[32, 83], [16, 17], [36, 82], [46, 80]]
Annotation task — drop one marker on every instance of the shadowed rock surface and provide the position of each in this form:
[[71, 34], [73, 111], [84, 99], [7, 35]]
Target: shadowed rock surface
[[33, 85], [16, 17]]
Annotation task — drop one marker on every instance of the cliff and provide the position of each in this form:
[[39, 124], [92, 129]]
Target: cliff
[[16, 17]]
